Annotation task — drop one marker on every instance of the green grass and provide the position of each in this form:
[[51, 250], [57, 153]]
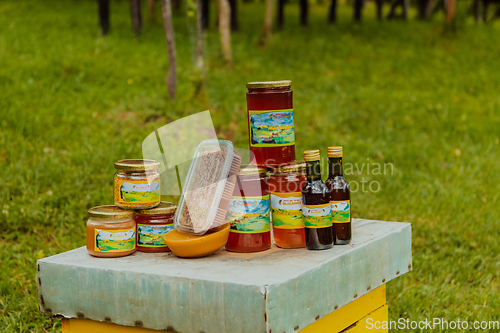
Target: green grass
[[409, 94]]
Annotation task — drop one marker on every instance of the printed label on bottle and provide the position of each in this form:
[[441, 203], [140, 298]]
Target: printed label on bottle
[[138, 191], [287, 210], [317, 216], [114, 240], [341, 211], [271, 128], [249, 215], [152, 235]]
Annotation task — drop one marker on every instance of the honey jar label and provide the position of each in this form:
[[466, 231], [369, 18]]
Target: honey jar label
[[114, 240], [249, 214], [137, 191], [152, 235], [271, 128], [341, 211], [287, 210], [317, 216]]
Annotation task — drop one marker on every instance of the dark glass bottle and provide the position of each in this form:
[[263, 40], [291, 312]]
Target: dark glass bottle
[[316, 206], [340, 197]]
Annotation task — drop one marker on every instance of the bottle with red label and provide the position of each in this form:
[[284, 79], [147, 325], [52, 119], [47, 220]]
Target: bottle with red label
[[271, 131]]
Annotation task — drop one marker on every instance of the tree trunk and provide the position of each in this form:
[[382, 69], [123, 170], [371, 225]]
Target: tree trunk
[[281, 13], [225, 29], [380, 5], [450, 7], [171, 77], [422, 4], [304, 12], [268, 22], [234, 15], [199, 36], [205, 10], [430, 7], [477, 11], [406, 9], [485, 10], [358, 8], [151, 8], [104, 16], [332, 15], [135, 8]]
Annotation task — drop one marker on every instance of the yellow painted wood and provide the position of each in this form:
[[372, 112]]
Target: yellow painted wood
[[90, 326], [349, 314], [368, 323], [351, 318]]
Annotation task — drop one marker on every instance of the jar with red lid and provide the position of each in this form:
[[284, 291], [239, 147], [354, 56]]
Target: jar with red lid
[[271, 132], [152, 225], [248, 212], [285, 187]]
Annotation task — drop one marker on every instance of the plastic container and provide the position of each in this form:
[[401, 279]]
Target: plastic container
[[285, 186], [248, 212], [271, 131], [110, 232], [137, 184], [152, 225], [208, 187]]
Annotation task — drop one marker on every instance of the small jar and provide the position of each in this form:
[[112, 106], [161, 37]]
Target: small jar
[[285, 186], [110, 232], [248, 212], [271, 129], [137, 184], [152, 225]]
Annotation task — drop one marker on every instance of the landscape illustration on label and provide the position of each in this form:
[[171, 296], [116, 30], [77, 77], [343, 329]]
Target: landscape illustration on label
[[140, 192], [115, 240], [249, 214], [340, 211], [272, 128], [287, 210]]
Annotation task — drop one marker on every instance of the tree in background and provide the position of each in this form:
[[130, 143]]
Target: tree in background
[[171, 77], [225, 29]]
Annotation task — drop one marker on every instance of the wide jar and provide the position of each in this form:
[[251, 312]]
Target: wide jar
[[271, 131], [110, 232], [152, 225], [137, 184], [285, 187], [248, 212]]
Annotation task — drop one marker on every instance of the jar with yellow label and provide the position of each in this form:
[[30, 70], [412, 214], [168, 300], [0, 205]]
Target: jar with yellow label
[[137, 184], [110, 232]]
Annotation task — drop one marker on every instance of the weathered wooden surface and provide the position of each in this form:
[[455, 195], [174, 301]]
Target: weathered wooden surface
[[276, 290]]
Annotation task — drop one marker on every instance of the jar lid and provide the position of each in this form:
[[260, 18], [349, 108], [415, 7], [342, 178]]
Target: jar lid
[[250, 169], [336, 151], [137, 165], [298, 166], [163, 208], [311, 155], [110, 212], [269, 84]]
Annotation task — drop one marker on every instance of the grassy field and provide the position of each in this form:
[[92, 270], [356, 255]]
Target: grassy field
[[409, 94]]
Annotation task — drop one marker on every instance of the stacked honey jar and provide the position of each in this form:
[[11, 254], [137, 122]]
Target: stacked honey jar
[[305, 211], [138, 219]]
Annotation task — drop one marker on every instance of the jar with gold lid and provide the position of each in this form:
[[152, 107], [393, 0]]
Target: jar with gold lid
[[137, 184], [110, 232], [152, 225]]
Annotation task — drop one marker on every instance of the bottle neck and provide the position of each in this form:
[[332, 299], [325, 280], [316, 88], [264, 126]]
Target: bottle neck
[[313, 170], [334, 166]]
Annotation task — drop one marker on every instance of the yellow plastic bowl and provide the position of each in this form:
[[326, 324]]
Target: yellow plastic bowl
[[193, 246]]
